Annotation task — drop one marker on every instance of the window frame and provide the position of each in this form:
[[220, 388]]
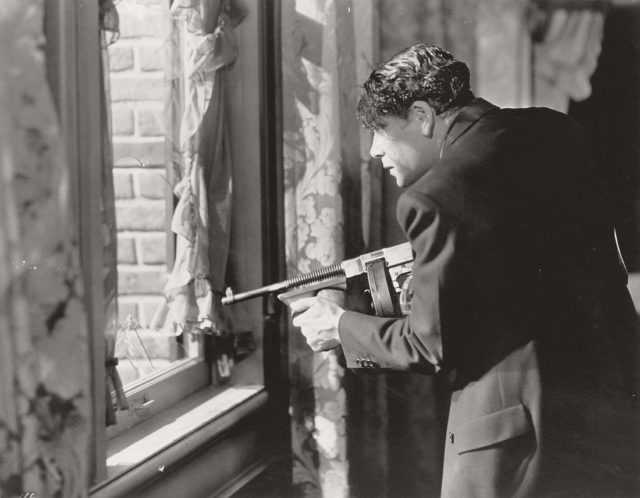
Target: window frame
[[73, 42], [153, 394], [73, 63]]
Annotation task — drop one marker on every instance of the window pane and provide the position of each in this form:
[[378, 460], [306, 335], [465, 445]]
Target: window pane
[[146, 343], [156, 149]]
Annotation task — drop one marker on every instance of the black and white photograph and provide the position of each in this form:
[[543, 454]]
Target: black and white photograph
[[320, 249]]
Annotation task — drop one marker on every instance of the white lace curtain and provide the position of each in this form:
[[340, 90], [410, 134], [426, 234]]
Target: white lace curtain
[[202, 161]]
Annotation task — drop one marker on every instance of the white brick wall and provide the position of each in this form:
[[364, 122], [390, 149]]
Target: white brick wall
[[137, 95], [120, 58]]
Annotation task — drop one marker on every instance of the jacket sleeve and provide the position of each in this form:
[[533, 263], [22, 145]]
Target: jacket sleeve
[[415, 342]]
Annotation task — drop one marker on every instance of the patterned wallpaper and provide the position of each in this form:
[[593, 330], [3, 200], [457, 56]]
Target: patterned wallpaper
[[44, 392]]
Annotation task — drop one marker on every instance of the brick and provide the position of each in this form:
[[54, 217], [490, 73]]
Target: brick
[[140, 215], [120, 58], [137, 88], [123, 184], [141, 280], [121, 119], [152, 184], [142, 21], [126, 308], [126, 250], [138, 153], [153, 249], [151, 57], [150, 122]]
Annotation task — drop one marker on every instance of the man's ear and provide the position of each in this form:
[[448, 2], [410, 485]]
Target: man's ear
[[424, 115]]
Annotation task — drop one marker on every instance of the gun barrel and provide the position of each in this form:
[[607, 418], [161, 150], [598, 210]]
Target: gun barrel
[[304, 279], [231, 298]]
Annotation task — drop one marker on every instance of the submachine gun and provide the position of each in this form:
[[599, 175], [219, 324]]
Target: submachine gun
[[388, 271]]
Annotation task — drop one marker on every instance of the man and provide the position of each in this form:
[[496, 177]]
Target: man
[[519, 289]]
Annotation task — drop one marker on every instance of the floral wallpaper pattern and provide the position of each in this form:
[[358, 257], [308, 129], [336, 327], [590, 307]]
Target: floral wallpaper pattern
[[322, 151], [44, 371]]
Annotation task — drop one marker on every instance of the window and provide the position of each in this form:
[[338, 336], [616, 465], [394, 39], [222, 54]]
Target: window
[[168, 376], [158, 362], [142, 182], [151, 92]]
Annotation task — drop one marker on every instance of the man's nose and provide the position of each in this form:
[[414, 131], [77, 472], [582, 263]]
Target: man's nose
[[376, 149]]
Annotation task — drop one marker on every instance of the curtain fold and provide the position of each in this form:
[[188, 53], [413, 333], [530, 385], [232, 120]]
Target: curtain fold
[[45, 401], [565, 56], [314, 236], [503, 53], [532, 53], [203, 173], [325, 176]]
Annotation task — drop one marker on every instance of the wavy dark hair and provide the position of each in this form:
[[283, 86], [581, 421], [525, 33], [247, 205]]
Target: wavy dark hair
[[419, 72]]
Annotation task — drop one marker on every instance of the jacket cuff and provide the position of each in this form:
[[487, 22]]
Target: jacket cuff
[[343, 333], [349, 325]]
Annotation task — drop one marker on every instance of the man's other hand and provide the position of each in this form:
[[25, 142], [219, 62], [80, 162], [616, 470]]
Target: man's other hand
[[318, 319]]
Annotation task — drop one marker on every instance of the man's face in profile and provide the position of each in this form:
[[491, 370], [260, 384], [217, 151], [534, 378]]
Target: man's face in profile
[[404, 149]]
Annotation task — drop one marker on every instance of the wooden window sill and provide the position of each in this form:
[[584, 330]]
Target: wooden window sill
[[136, 456]]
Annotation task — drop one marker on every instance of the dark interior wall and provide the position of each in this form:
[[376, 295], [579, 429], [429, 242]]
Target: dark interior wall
[[611, 119]]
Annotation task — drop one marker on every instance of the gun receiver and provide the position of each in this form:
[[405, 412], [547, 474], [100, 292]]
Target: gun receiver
[[387, 270]]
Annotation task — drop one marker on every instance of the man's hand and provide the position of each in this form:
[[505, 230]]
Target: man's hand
[[318, 319]]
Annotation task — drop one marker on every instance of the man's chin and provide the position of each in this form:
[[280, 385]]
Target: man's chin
[[398, 178]]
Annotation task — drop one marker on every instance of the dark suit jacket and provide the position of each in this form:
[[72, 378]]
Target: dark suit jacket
[[520, 290]]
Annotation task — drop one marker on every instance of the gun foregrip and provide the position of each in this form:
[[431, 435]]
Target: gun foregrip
[[335, 283]]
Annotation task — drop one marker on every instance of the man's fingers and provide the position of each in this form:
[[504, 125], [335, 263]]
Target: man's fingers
[[313, 338], [302, 320], [302, 304], [317, 318]]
